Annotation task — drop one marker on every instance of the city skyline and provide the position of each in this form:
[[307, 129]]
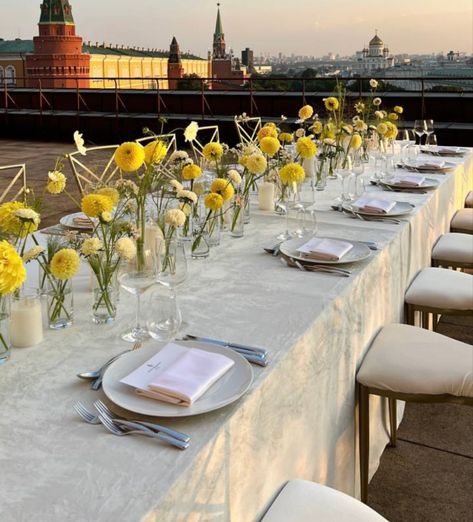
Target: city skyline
[[270, 26]]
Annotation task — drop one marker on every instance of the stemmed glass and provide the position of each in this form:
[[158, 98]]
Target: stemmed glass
[[407, 138], [420, 128], [358, 169], [344, 174], [429, 129], [136, 276]]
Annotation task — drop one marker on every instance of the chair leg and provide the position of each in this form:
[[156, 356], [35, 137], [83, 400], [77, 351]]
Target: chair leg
[[425, 320], [409, 314], [364, 412], [392, 421], [435, 321]]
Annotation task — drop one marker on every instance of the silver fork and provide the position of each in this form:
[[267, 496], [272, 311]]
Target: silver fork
[[315, 268], [366, 218], [106, 412], [136, 429], [85, 414]]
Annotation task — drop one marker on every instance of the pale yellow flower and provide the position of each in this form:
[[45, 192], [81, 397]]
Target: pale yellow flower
[[91, 246], [155, 152], [355, 142], [256, 163], [300, 133], [331, 103], [286, 137], [393, 116], [176, 185], [29, 215], [111, 193], [33, 253], [175, 217], [398, 109], [11, 223], [377, 102], [234, 176], [187, 194], [125, 248], [56, 182], [382, 129], [317, 127], [106, 217], [190, 132], [373, 83], [79, 141], [65, 264]]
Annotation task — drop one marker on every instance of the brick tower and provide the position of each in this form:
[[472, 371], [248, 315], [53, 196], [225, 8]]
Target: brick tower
[[175, 68], [57, 58]]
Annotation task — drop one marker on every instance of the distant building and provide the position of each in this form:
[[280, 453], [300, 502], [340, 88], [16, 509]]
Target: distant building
[[247, 58], [374, 58]]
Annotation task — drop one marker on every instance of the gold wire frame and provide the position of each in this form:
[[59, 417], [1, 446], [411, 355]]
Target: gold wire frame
[[248, 131], [205, 132], [15, 182], [88, 175]]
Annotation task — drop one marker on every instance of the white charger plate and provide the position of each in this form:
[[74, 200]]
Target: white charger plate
[[428, 183], [68, 221], [401, 208], [359, 252], [226, 390], [444, 151], [419, 167]]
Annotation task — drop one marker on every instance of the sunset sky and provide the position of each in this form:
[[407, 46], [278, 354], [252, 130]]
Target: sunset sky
[[312, 27]]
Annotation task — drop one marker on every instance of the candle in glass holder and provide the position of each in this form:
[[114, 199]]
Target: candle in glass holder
[[26, 321], [266, 195]]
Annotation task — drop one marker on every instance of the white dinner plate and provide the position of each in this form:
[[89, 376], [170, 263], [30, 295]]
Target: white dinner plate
[[359, 251], [400, 209], [420, 167], [444, 151], [428, 183], [225, 391], [68, 221]]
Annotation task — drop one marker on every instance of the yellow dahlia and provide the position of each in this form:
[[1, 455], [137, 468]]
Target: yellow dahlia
[[306, 112], [331, 104], [212, 151], [223, 187], [256, 163], [355, 142], [93, 205], [56, 182], [306, 148], [398, 109], [267, 131], [213, 201], [269, 145], [191, 171], [291, 173], [12, 270], [65, 264], [130, 156], [155, 152], [111, 193], [13, 224], [286, 137]]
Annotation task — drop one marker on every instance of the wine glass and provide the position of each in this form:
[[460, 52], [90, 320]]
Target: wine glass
[[136, 276], [420, 128], [429, 129], [344, 173], [164, 316], [358, 169]]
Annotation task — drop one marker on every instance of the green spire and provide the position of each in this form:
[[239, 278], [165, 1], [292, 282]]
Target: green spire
[[56, 12], [218, 25]]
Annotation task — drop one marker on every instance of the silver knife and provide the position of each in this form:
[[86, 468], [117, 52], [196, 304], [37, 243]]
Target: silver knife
[[241, 347]]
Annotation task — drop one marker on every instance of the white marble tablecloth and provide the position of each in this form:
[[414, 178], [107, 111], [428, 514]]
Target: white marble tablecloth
[[297, 420]]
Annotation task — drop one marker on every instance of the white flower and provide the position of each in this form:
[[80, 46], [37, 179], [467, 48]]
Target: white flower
[[91, 246], [283, 118], [78, 140], [33, 253], [178, 155], [190, 132], [377, 101], [373, 83], [300, 133], [379, 115], [234, 176], [187, 194], [355, 119], [175, 217], [28, 214], [125, 248], [176, 185]]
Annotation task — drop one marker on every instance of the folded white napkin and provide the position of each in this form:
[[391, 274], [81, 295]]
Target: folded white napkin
[[449, 150], [178, 375], [325, 249], [408, 181], [374, 206], [430, 164]]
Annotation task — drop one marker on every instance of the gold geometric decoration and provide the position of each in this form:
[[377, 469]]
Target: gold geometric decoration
[[205, 135], [12, 182], [248, 129]]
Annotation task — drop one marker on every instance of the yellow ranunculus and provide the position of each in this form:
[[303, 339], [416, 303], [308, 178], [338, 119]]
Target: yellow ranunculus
[[223, 187], [12, 269], [317, 127], [191, 171], [10, 222], [398, 109], [355, 142], [155, 152], [306, 112], [331, 103], [130, 156], [382, 129], [292, 173], [256, 163], [306, 148], [270, 145], [393, 116], [56, 182], [286, 137], [267, 131], [212, 151], [93, 205], [111, 193], [213, 201], [65, 264]]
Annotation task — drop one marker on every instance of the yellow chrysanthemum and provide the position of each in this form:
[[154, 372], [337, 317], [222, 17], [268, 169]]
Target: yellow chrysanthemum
[[175, 217], [317, 127], [223, 187], [355, 142], [306, 112], [56, 182], [393, 116], [212, 151], [93, 205], [155, 152], [213, 201], [331, 104], [270, 145], [382, 129], [130, 156], [10, 222], [306, 148], [398, 109], [65, 264], [392, 131], [12, 269], [256, 163], [292, 173], [191, 171], [111, 193], [267, 131], [91, 246], [360, 125], [270, 124], [125, 248], [286, 137]]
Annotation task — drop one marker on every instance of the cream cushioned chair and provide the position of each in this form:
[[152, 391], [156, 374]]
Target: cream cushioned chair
[[469, 200], [439, 291], [462, 221], [453, 250], [304, 501], [411, 364]]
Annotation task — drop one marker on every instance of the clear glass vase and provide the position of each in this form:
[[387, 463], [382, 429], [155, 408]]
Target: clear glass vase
[[4, 328], [200, 242], [60, 303], [184, 233], [237, 213], [214, 230], [247, 212], [105, 301]]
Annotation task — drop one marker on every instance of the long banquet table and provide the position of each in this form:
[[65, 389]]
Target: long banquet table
[[297, 420]]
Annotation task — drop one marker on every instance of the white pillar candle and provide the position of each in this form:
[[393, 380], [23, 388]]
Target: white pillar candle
[[266, 195], [26, 322]]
